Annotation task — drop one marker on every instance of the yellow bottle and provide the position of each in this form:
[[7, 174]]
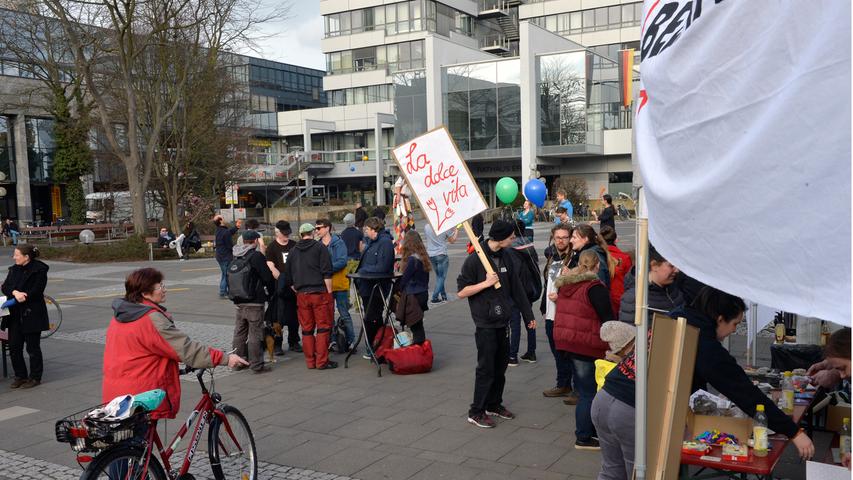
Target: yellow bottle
[[788, 393], [844, 443], [759, 432]]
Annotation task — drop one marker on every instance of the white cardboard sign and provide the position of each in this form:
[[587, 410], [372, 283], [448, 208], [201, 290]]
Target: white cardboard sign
[[439, 179]]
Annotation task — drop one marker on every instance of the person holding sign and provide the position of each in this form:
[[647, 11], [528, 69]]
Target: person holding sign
[[491, 309]]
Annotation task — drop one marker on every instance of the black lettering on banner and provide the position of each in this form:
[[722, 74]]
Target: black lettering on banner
[[651, 33], [674, 29]]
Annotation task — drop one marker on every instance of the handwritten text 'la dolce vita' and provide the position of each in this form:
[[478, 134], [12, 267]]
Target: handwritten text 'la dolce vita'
[[434, 176]]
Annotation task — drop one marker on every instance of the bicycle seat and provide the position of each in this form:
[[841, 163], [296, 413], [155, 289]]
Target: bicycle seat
[[150, 400]]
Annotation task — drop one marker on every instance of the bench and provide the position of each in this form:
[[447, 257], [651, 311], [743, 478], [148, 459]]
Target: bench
[[151, 241], [35, 233]]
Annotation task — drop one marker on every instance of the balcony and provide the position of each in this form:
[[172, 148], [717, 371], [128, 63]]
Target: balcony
[[495, 44], [492, 9]]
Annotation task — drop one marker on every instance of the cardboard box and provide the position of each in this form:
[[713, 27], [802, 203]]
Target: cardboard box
[[741, 428], [835, 414]]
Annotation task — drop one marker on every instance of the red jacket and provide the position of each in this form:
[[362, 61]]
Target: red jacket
[[142, 353], [576, 323], [617, 283]]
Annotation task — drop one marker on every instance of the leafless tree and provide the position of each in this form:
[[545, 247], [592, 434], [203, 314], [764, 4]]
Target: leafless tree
[[125, 50]]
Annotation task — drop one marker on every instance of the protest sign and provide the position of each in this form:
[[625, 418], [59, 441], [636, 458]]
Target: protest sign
[[442, 183], [440, 180]]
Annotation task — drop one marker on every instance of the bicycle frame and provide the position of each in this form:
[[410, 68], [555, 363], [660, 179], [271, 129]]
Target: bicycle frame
[[205, 410]]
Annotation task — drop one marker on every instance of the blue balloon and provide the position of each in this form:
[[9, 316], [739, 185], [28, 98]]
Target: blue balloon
[[536, 192]]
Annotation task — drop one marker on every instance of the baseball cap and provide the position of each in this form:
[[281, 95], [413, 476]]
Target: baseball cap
[[283, 226], [306, 228], [250, 235]]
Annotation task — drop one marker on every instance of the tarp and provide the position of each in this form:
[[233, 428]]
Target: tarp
[[743, 141]]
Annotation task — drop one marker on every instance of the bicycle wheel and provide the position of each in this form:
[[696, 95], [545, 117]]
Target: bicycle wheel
[[54, 316], [231, 446], [123, 462]]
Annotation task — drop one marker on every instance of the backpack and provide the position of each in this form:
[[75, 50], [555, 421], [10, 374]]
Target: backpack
[[242, 284], [529, 275]]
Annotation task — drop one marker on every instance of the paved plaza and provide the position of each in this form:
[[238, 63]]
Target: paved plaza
[[308, 424]]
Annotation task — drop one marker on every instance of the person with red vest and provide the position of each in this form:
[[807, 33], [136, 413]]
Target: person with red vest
[[623, 266], [583, 305], [143, 345]]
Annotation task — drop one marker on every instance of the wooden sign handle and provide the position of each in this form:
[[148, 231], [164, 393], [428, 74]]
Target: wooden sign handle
[[479, 249]]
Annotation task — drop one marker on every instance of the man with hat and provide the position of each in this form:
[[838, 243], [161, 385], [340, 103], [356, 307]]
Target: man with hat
[[491, 309], [309, 271], [283, 303], [248, 330]]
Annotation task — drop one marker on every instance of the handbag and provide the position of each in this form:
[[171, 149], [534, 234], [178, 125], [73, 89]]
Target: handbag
[[408, 310], [410, 360]]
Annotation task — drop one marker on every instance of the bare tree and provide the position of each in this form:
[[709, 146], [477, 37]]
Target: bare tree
[[563, 98], [126, 49]]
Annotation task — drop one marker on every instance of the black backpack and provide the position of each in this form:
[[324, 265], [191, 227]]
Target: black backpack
[[242, 284]]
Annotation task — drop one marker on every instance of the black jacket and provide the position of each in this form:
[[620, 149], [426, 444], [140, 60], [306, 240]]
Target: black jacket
[[308, 266], [30, 316], [551, 255], [715, 366], [224, 243], [360, 217], [483, 304], [603, 268], [265, 281], [528, 262]]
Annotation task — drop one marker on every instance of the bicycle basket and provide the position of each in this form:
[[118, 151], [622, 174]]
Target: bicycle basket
[[86, 434]]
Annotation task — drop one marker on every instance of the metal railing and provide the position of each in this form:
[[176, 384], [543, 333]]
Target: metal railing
[[494, 41]]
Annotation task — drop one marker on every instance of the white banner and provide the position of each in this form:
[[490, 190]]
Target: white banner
[[440, 180], [743, 138]]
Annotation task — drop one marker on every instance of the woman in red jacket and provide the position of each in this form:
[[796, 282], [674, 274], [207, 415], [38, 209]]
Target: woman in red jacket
[[623, 266], [144, 347], [583, 304]]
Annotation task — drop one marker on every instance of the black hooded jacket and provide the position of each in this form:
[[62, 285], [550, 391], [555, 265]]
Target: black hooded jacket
[[30, 316], [308, 266]]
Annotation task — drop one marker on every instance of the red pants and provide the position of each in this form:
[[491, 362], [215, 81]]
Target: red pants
[[315, 312]]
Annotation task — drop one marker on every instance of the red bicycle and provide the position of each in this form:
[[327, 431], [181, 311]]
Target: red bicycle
[[126, 449]]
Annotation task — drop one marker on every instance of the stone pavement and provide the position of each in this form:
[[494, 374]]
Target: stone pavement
[[307, 424]]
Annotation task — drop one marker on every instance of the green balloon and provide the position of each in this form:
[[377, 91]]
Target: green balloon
[[506, 190]]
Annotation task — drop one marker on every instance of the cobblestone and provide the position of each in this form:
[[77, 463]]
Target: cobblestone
[[15, 465]]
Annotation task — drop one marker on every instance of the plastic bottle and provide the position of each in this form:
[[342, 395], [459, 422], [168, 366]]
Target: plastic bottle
[[788, 393], [844, 444], [759, 432]]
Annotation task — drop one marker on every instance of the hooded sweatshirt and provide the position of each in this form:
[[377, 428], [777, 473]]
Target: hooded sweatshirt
[[260, 270], [308, 266], [142, 351]]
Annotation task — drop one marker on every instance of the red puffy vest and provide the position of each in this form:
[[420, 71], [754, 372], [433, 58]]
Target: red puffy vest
[[576, 324]]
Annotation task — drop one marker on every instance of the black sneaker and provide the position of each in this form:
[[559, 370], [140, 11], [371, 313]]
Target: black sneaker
[[502, 412], [513, 362], [329, 365], [481, 420], [591, 444], [529, 357]]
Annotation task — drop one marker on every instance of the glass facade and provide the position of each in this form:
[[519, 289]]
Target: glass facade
[[592, 20], [562, 99], [40, 148], [280, 87], [7, 147], [394, 57], [482, 105], [410, 105], [400, 17], [360, 95]]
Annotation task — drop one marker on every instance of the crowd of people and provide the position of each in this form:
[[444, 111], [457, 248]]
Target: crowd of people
[[290, 288]]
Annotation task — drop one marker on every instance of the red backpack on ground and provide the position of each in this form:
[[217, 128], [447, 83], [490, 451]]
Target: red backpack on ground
[[410, 360]]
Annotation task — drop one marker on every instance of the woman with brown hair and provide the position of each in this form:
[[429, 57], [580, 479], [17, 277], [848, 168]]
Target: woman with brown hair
[[415, 281], [583, 305], [144, 346], [25, 282], [584, 237]]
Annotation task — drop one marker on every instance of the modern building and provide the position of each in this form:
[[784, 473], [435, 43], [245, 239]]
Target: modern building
[[526, 88]]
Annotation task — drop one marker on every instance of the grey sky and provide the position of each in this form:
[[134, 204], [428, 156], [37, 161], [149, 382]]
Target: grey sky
[[297, 39]]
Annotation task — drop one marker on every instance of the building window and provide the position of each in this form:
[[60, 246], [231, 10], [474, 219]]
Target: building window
[[396, 56], [593, 20], [562, 99], [40, 148]]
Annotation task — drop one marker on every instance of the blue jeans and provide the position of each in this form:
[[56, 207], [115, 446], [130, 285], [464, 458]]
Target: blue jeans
[[584, 376], [14, 234], [223, 281], [515, 335], [342, 301], [440, 263], [564, 363]]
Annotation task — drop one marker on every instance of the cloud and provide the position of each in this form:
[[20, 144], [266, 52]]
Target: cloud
[[295, 40]]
